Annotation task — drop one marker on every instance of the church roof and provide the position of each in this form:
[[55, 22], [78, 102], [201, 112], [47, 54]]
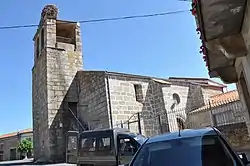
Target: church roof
[[200, 81], [219, 100], [204, 82]]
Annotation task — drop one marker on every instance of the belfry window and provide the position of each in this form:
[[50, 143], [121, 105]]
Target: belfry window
[[42, 39], [37, 47]]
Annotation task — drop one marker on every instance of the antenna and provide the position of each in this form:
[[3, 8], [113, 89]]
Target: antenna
[[179, 132]]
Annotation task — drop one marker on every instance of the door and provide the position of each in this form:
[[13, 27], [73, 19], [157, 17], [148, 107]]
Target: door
[[127, 147], [72, 147], [13, 154]]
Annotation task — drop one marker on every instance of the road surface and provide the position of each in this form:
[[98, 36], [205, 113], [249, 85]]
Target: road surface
[[29, 162]]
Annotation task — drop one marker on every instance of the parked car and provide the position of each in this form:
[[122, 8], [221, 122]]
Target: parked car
[[190, 147], [102, 147]]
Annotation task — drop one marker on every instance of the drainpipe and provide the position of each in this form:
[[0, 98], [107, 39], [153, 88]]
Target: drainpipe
[[109, 103]]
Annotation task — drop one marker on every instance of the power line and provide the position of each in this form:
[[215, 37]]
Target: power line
[[185, 0], [101, 20]]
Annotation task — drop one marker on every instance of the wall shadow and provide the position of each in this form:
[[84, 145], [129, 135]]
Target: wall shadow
[[154, 113], [195, 100], [66, 119]]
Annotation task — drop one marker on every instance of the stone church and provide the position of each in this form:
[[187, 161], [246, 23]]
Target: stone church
[[66, 97]]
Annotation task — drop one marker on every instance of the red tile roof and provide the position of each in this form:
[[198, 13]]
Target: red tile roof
[[15, 133], [219, 100], [225, 98]]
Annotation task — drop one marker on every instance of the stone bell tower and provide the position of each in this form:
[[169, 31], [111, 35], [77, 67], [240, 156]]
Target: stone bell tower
[[57, 58]]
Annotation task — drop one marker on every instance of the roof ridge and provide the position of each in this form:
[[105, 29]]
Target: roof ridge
[[10, 134], [220, 99], [225, 93]]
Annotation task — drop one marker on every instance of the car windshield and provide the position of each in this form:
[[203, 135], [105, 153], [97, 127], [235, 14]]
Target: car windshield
[[195, 151]]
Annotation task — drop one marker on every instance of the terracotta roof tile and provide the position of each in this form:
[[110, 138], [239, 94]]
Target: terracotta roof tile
[[219, 100], [15, 133]]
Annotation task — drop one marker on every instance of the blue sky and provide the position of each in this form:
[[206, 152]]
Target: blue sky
[[160, 46]]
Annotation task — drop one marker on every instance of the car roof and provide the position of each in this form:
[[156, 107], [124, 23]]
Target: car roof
[[187, 133], [117, 130]]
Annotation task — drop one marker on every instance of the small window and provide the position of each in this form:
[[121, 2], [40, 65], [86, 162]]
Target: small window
[[42, 38], [176, 98], [176, 101], [37, 47], [138, 92]]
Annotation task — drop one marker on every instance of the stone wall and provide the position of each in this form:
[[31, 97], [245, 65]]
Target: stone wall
[[93, 107], [39, 104], [158, 98], [191, 96], [200, 119], [228, 118], [7, 144], [132, 94], [242, 65], [209, 91], [123, 98], [222, 115], [236, 134], [229, 113], [175, 110], [62, 66]]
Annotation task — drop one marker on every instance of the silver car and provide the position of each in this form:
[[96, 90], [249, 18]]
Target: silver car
[[191, 147]]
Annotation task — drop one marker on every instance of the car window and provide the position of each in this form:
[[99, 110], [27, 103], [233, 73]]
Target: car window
[[127, 146], [96, 144], [195, 151], [90, 144], [72, 143]]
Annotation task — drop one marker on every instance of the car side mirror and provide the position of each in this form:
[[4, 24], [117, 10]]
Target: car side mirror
[[244, 159]]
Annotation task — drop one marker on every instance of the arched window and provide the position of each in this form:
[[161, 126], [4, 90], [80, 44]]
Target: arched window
[[180, 123], [176, 99]]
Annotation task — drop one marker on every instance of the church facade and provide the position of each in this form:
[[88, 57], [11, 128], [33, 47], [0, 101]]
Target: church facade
[[67, 97]]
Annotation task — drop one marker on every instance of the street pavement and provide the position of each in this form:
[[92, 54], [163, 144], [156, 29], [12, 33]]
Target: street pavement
[[29, 162]]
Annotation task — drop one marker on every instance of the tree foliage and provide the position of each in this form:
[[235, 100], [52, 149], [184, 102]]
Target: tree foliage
[[25, 146]]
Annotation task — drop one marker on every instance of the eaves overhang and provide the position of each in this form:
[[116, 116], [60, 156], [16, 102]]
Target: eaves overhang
[[219, 23]]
